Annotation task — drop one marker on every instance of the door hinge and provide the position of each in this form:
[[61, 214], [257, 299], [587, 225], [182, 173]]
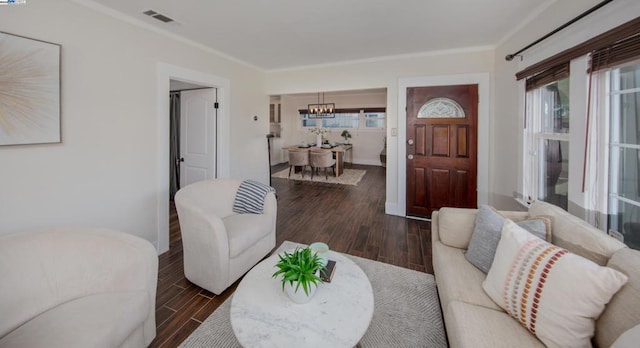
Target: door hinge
[[216, 105]]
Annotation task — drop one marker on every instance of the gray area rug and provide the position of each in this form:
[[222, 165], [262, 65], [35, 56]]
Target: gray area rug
[[407, 311]]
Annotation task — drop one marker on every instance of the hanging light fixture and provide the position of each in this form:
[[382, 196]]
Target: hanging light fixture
[[321, 110]]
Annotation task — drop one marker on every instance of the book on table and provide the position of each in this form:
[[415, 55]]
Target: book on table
[[326, 274]]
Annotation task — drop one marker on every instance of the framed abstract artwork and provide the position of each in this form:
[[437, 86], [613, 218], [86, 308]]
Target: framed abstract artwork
[[29, 91]]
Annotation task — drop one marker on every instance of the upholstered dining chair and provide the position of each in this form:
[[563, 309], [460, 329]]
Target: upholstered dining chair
[[298, 158], [220, 245], [320, 158]]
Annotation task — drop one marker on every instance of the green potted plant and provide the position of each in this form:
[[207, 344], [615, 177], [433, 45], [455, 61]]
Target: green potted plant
[[300, 273], [346, 135]]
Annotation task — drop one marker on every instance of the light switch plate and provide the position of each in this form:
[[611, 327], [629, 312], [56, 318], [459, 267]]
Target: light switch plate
[[394, 132]]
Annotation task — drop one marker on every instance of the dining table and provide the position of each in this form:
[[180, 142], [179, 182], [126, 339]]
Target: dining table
[[339, 153]]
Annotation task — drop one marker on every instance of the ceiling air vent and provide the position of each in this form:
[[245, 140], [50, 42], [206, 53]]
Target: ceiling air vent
[[158, 16]]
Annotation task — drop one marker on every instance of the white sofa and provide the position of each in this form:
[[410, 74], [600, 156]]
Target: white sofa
[[77, 287], [220, 245], [472, 319]]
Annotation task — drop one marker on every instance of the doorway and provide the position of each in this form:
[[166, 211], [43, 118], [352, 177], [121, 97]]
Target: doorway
[[166, 73], [192, 135], [192, 140], [398, 145], [441, 148]]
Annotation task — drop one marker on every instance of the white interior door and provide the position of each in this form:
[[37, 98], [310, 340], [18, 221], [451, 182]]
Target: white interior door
[[197, 135]]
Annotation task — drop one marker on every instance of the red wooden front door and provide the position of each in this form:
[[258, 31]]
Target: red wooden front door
[[442, 134]]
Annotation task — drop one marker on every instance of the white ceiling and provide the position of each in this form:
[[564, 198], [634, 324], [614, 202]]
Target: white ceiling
[[281, 34]]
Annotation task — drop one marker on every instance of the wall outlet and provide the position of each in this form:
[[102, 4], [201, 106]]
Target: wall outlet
[[617, 235]]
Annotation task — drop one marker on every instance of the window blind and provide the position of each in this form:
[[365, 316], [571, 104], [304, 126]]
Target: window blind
[[548, 76], [620, 52], [599, 42]]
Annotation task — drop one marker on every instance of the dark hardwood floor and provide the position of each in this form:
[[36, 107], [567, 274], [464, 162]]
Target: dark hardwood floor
[[350, 219]]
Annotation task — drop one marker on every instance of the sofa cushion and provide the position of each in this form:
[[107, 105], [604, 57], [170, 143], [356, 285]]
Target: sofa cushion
[[475, 326], [487, 232], [245, 230], [457, 279], [455, 226], [576, 235], [623, 311], [101, 320], [629, 339], [555, 294]]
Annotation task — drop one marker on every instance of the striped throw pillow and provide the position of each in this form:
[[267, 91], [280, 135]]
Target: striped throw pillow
[[250, 197], [553, 293]]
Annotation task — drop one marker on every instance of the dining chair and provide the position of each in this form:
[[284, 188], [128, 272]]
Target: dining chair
[[298, 158], [319, 158]]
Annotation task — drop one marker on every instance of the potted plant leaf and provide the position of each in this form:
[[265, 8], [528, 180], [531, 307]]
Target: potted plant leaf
[[300, 273], [346, 135]]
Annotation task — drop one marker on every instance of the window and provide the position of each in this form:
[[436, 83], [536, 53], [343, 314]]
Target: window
[[363, 118], [374, 120], [624, 153], [604, 139], [547, 143], [341, 120]]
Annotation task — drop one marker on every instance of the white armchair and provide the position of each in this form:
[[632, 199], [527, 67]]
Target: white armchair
[[220, 245], [77, 287]]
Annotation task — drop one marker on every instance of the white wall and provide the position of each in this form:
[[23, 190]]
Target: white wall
[[509, 93], [105, 171], [381, 74], [367, 143]]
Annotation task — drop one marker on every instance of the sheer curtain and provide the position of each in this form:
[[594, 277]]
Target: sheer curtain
[[174, 146], [595, 156]]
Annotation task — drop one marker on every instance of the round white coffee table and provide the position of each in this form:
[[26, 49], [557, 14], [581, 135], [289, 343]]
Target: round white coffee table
[[338, 315]]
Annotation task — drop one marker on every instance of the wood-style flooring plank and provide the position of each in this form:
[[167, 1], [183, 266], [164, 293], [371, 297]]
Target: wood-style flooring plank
[[181, 334], [172, 325]]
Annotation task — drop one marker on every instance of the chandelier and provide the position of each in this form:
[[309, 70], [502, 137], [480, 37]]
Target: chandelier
[[321, 110]]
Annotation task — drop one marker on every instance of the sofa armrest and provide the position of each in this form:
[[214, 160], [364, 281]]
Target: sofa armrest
[[454, 226], [45, 268]]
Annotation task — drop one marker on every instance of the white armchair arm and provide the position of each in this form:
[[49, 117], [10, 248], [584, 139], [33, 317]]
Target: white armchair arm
[[205, 244]]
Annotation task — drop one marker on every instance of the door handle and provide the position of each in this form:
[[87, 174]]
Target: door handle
[[410, 141], [410, 157]]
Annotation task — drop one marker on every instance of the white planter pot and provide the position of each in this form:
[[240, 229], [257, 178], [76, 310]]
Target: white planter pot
[[318, 140], [299, 296]]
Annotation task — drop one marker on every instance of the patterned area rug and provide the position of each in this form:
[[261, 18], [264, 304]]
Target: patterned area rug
[[348, 177], [407, 311]]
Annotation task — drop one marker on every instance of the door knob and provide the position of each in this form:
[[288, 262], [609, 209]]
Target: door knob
[[410, 157], [410, 141], [181, 159]]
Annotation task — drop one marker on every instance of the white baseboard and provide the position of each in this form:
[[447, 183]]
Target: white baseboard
[[392, 209], [367, 162]]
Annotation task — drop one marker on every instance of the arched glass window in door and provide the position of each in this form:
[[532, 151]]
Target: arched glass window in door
[[441, 108]]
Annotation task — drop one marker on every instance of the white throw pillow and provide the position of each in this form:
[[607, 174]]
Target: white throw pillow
[[554, 294]]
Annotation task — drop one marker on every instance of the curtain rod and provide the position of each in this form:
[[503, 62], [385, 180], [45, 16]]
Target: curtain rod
[[510, 57]]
